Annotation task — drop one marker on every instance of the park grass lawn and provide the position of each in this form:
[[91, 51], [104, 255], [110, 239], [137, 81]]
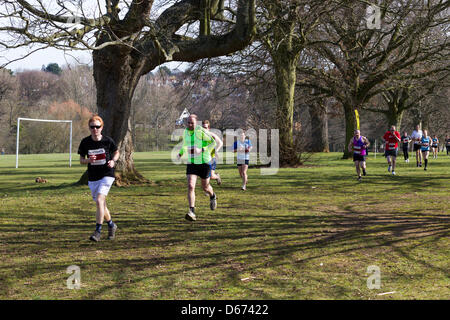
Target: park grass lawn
[[305, 233]]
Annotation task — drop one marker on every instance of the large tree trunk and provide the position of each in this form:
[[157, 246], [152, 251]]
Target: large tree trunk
[[285, 74], [119, 66], [396, 102], [319, 127], [350, 127], [394, 117], [116, 75]]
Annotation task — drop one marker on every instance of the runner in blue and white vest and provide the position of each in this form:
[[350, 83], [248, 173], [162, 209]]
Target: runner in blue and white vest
[[435, 146], [425, 143], [243, 146]]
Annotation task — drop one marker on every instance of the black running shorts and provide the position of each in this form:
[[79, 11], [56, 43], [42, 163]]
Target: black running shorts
[[392, 153], [241, 162], [201, 170], [358, 157]]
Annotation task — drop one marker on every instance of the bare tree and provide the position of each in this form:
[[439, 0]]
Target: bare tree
[[36, 85], [154, 111], [79, 85], [396, 97], [285, 28], [361, 56], [128, 41]]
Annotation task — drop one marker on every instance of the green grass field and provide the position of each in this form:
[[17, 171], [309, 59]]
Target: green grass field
[[305, 233]]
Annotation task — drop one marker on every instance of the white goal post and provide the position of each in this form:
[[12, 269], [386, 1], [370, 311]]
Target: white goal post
[[42, 120]]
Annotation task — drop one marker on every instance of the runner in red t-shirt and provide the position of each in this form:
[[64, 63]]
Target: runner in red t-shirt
[[392, 138]]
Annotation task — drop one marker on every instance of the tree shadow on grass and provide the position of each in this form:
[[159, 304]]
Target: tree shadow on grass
[[228, 245]]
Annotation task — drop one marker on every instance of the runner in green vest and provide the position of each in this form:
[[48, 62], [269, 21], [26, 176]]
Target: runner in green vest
[[198, 145]]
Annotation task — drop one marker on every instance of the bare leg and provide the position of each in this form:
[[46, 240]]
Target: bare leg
[[214, 176], [425, 157], [107, 213], [207, 187], [244, 173], [192, 180], [358, 171], [101, 205]]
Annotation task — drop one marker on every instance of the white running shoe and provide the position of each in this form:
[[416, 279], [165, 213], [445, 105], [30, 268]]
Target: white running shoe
[[243, 187], [190, 216], [393, 173]]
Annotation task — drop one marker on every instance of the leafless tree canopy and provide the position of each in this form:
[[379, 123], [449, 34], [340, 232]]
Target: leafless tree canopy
[[171, 30]]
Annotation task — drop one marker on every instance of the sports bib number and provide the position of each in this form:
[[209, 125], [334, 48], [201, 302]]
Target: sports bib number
[[97, 156]]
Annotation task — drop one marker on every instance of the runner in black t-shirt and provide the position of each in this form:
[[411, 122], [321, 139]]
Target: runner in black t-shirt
[[102, 156], [405, 145], [447, 143]]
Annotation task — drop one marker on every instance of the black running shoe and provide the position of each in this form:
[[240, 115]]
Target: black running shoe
[[213, 202], [95, 236], [112, 232]]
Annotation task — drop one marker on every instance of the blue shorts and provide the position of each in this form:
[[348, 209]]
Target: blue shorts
[[213, 164]]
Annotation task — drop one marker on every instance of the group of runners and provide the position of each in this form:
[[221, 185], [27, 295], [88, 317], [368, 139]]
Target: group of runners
[[422, 145], [200, 144]]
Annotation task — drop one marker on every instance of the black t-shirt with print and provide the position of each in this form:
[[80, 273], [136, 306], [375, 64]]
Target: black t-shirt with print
[[103, 150], [405, 141]]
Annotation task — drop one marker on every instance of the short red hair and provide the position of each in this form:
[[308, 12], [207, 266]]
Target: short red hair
[[95, 118]]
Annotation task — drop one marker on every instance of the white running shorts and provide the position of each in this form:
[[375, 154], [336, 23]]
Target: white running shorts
[[101, 186]]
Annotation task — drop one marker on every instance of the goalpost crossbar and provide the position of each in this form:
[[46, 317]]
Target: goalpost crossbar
[[42, 120]]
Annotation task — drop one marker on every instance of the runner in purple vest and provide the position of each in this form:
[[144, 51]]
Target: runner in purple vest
[[359, 145]]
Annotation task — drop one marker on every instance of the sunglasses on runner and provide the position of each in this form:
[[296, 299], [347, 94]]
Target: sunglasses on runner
[[95, 127]]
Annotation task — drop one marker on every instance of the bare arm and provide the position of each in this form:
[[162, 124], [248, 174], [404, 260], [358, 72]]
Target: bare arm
[[219, 142], [83, 160], [350, 145], [114, 159]]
